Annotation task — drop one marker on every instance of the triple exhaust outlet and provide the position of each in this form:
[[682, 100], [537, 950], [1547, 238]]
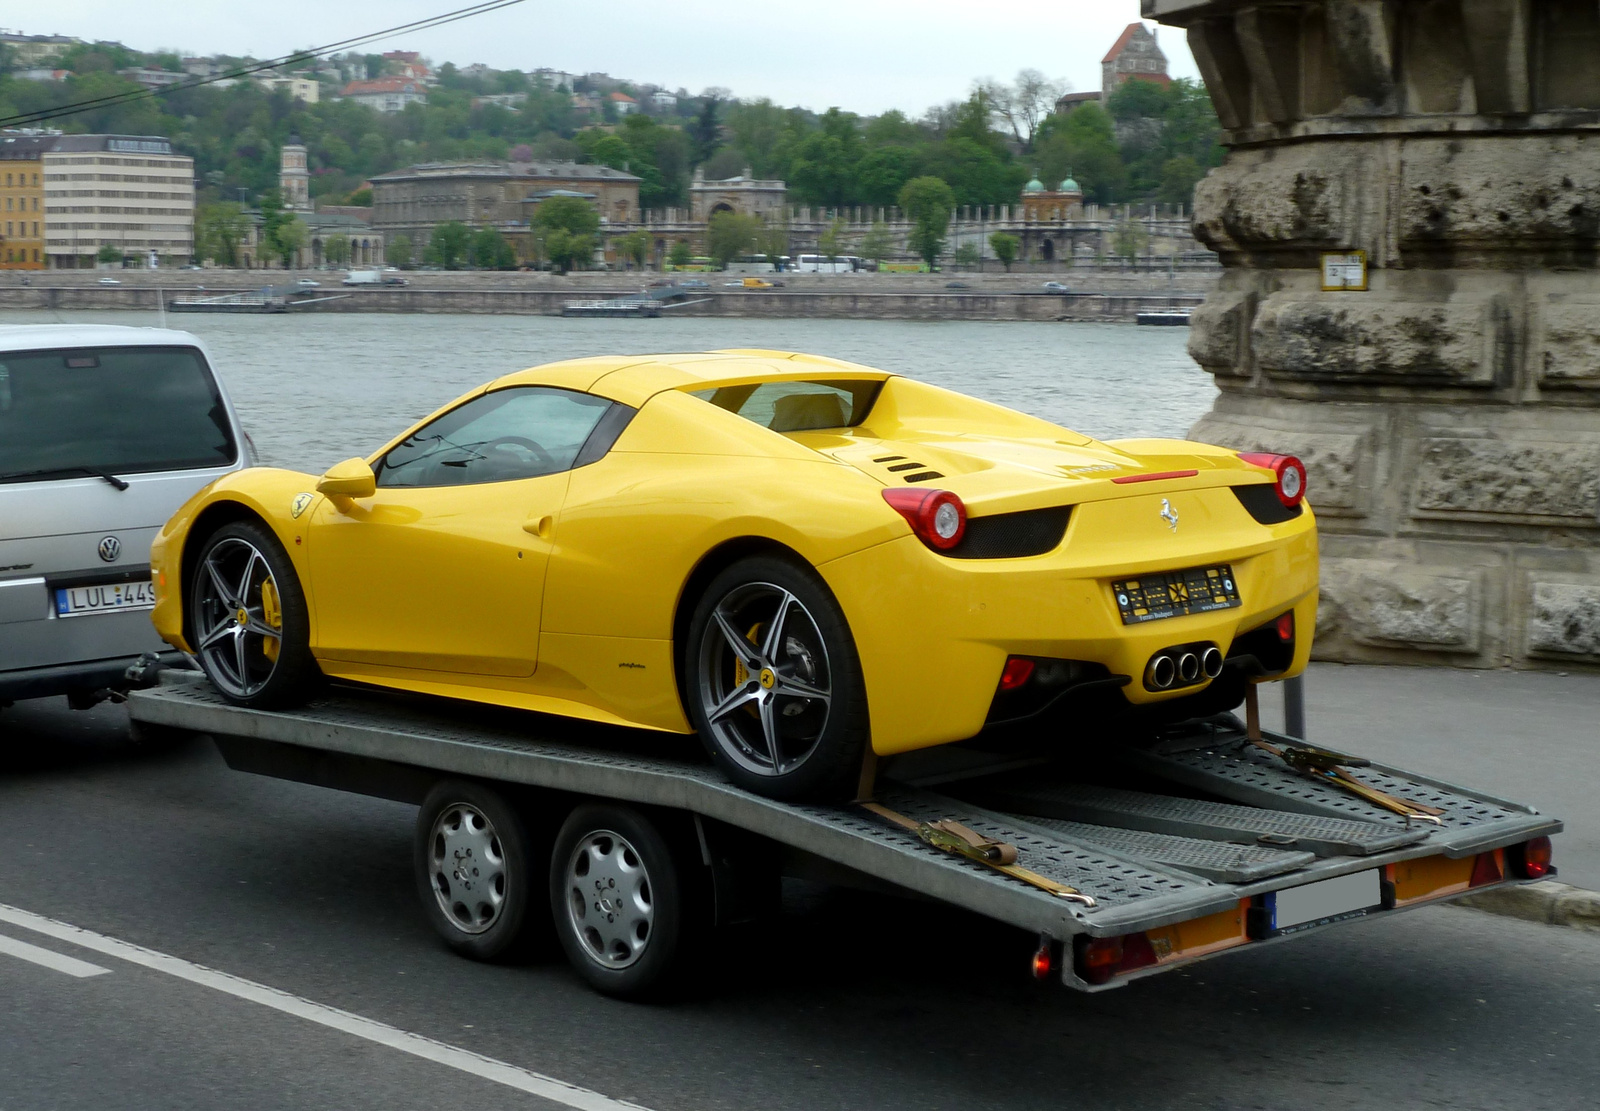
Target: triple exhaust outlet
[[1182, 666]]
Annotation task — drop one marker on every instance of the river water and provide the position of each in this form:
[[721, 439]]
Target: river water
[[312, 390]]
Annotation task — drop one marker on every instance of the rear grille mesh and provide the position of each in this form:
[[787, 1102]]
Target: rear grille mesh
[[1013, 535]]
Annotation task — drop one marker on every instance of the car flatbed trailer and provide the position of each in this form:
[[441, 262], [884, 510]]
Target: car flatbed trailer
[[1166, 850]]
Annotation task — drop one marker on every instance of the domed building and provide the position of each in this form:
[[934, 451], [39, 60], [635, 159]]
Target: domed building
[[1042, 205]]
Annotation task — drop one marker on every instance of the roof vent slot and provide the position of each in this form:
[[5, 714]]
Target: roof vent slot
[[923, 476], [905, 467], [888, 458]]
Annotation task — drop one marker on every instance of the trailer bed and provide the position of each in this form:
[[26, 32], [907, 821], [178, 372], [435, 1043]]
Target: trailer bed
[[1193, 827]]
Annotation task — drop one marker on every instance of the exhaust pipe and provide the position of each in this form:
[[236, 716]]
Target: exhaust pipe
[[1188, 667], [1211, 662], [1161, 672]]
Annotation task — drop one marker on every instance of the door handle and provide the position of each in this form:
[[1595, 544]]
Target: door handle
[[539, 526]]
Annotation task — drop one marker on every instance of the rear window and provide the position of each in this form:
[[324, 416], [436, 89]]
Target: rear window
[[121, 410], [797, 406]]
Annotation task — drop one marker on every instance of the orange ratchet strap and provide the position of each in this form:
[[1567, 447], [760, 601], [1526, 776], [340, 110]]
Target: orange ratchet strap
[[954, 838]]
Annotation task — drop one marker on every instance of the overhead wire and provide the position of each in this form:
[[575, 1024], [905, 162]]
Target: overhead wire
[[113, 100]]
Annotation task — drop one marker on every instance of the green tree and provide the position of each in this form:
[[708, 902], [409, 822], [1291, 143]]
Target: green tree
[[774, 243], [968, 255], [291, 235], [1179, 176], [336, 249], [832, 240], [108, 253], [1004, 247], [729, 235], [219, 229], [571, 214], [567, 249], [488, 250], [1129, 238], [680, 255], [927, 202], [447, 247], [397, 251], [273, 217], [877, 244], [1083, 144], [634, 247]]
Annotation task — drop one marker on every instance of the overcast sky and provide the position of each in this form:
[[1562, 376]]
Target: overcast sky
[[864, 55]]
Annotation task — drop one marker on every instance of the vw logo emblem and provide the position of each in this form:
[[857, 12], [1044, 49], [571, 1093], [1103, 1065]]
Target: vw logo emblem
[[110, 548]]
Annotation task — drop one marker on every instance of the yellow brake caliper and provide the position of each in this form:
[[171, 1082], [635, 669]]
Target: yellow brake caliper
[[272, 614], [741, 674]]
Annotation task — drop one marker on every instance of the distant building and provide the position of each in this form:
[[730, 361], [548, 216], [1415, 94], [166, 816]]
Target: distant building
[[585, 102], [744, 194], [555, 78], [302, 89], [663, 101], [511, 101], [410, 65], [386, 94], [503, 195], [29, 51], [126, 191], [624, 103], [41, 74], [1040, 203], [1136, 56], [152, 78], [294, 175], [202, 67], [22, 190]]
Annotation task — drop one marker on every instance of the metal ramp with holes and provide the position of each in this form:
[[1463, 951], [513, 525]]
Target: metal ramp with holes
[[1203, 824]]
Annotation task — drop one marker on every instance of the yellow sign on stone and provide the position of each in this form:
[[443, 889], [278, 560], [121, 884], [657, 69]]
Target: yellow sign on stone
[[1344, 270]]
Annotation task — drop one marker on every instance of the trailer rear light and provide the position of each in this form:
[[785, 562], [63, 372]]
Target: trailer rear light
[[1486, 870], [1285, 627], [1017, 672], [1289, 472], [1101, 958], [938, 517], [1044, 961], [1531, 859]]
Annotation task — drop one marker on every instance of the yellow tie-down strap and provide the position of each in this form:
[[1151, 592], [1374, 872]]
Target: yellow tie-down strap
[[953, 837], [1329, 767]]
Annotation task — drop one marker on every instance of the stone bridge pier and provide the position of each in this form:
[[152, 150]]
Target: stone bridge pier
[[1448, 413]]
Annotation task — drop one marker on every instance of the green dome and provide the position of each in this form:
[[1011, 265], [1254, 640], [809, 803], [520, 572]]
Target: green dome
[[1070, 186], [1033, 186]]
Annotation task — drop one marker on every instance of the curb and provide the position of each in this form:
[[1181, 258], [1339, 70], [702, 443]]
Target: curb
[[1547, 901]]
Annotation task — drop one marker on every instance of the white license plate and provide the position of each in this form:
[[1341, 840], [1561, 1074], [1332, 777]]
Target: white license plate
[[1327, 899], [78, 601]]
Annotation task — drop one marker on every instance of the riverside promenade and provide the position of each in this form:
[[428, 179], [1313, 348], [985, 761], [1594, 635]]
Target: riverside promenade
[[1103, 294]]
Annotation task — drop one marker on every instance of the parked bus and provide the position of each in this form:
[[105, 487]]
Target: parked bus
[[824, 264]]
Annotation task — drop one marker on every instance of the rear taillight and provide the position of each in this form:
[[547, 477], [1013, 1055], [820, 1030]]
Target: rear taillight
[[937, 516], [1285, 626], [1018, 670], [1531, 859], [1101, 958], [1289, 472]]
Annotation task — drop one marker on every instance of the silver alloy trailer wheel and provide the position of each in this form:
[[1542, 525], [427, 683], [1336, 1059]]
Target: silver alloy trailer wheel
[[468, 868], [764, 682], [609, 901], [238, 617]]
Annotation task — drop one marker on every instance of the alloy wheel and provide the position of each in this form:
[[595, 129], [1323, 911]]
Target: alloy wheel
[[238, 617], [609, 900], [468, 868]]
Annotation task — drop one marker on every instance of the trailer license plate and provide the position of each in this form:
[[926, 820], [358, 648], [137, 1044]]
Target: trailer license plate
[[1326, 901], [1176, 593], [79, 601]]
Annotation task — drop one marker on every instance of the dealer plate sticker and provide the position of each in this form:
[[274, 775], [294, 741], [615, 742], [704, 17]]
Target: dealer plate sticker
[[1176, 593], [80, 601], [1326, 901]]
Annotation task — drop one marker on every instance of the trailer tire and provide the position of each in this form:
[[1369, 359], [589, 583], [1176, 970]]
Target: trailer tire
[[625, 904], [474, 871]]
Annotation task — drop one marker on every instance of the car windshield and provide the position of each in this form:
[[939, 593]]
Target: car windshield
[[114, 410], [797, 406]]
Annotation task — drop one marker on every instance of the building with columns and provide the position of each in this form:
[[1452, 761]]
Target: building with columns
[[131, 192], [744, 194]]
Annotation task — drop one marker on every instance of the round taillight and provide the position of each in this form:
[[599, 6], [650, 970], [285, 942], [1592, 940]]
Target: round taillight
[[1289, 472], [938, 517], [1531, 859]]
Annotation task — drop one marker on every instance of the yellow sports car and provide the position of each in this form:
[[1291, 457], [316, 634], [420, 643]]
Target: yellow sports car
[[801, 559]]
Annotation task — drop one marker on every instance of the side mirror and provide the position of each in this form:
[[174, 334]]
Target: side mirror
[[351, 479]]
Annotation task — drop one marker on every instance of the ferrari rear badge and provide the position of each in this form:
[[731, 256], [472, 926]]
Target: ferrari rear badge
[[298, 506], [1169, 515]]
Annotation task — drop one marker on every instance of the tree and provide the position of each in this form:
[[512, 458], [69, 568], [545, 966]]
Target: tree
[[1083, 144], [831, 241], [336, 250], [447, 246], [680, 255], [488, 250], [1129, 238], [704, 130], [927, 202], [634, 247], [109, 253], [273, 217], [397, 251], [291, 235], [566, 249], [968, 255], [877, 244], [1025, 105], [219, 229], [774, 243], [567, 226], [729, 235], [1179, 176], [1005, 248]]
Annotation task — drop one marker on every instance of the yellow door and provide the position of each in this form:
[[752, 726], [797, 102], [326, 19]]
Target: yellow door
[[442, 569]]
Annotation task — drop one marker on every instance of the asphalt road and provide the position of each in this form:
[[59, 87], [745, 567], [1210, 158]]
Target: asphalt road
[[849, 1001]]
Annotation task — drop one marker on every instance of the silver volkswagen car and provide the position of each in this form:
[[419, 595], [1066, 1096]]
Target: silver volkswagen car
[[104, 432]]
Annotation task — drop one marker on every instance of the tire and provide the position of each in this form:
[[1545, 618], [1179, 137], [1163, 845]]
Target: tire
[[626, 907], [784, 716], [243, 570], [473, 866]]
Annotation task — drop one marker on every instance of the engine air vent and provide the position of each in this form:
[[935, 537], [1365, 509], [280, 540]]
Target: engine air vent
[[923, 476], [1261, 501], [888, 458], [905, 466], [1013, 535]]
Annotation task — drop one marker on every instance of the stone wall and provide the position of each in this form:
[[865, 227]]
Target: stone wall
[[1449, 415]]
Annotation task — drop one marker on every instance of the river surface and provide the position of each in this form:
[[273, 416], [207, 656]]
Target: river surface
[[312, 390]]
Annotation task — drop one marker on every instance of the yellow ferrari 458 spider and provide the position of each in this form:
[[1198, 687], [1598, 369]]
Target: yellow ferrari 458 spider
[[799, 559]]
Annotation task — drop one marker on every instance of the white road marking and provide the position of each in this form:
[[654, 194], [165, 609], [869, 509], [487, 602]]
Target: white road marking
[[463, 1060], [11, 947]]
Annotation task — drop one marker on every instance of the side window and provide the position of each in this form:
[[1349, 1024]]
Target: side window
[[521, 432]]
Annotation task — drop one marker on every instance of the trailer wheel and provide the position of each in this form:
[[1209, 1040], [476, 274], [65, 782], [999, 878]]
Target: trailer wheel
[[623, 902], [472, 867]]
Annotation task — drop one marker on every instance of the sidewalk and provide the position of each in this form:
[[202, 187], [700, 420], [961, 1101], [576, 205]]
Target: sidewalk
[[1532, 737]]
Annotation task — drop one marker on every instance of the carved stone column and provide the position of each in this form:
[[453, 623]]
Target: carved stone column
[[1449, 415]]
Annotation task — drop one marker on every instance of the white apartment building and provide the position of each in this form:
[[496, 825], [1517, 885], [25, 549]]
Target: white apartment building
[[126, 191]]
